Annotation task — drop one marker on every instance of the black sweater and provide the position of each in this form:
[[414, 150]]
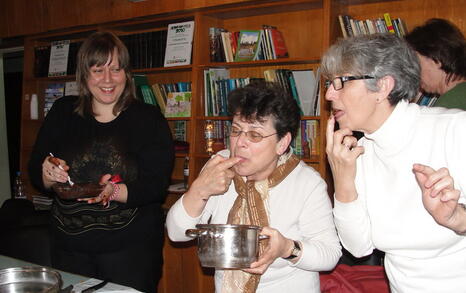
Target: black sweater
[[137, 145]]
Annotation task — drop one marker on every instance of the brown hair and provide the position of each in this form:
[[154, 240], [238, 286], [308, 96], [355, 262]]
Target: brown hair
[[443, 42], [96, 50]]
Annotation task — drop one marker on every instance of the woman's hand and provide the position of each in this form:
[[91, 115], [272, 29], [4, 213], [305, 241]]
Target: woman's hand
[[214, 178], [440, 198], [104, 196], [279, 246], [51, 173], [342, 151]]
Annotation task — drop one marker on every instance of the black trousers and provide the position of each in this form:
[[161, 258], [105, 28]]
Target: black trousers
[[138, 266]]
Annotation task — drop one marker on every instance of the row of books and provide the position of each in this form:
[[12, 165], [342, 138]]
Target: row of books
[[302, 85], [246, 45], [179, 130], [147, 50], [54, 91], [217, 86], [306, 141], [42, 59], [221, 132], [173, 99], [353, 27]]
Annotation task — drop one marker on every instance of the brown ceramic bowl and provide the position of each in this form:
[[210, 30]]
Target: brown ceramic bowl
[[78, 190]]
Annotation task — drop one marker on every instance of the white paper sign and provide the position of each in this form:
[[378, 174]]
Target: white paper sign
[[59, 58], [179, 44], [71, 88]]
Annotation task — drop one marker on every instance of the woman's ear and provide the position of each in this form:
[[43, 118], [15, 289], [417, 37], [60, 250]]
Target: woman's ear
[[283, 144], [386, 85]]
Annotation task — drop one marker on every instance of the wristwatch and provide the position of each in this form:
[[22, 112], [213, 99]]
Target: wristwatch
[[294, 252]]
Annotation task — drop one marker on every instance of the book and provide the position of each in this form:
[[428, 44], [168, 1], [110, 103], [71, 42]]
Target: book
[[211, 95], [388, 23], [41, 61], [159, 97], [306, 84], [143, 90], [342, 26], [53, 92], [278, 43], [178, 104], [226, 44], [179, 44], [248, 44], [215, 45]]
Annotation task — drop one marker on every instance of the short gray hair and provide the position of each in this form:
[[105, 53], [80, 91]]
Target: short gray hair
[[377, 55]]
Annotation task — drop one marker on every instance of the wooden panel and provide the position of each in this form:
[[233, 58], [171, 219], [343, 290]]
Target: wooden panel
[[23, 17], [190, 4], [63, 14], [4, 13]]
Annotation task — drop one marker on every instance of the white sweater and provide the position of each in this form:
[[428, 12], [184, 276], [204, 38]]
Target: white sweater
[[300, 209], [421, 256]]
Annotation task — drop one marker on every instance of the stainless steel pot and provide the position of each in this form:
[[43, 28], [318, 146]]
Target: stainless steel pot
[[30, 280], [227, 246]]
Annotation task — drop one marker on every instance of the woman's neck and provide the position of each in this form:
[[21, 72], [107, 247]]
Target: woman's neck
[[104, 113]]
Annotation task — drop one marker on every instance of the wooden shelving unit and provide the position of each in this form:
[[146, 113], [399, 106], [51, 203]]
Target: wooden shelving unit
[[309, 27]]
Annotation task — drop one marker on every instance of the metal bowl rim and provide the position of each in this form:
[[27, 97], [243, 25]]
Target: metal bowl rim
[[34, 269], [215, 226]]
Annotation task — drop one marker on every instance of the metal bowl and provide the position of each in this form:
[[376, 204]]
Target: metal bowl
[[30, 280], [227, 246]]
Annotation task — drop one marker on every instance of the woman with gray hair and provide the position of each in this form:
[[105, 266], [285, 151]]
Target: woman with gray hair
[[398, 188]]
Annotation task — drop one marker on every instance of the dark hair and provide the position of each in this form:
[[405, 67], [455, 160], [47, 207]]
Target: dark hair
[[377, 55], [96, 50], [258, 100], [441, 41]]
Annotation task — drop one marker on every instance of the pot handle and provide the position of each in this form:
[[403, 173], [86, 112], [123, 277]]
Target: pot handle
[[193, 233]]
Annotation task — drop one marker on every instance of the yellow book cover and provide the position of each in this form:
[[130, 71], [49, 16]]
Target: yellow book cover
[[388, 23]]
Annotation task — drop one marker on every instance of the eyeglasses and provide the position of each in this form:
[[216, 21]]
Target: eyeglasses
[[253, 136], [338, 82]]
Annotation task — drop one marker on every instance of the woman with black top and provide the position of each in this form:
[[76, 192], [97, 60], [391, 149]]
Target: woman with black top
[[117, 235]]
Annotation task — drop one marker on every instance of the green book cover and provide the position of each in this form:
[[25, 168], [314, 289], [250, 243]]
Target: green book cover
[[248, 45]]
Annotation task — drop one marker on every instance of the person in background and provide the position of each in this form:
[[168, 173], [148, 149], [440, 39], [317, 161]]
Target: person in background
[[106, 131], [289, 198], [400, 188], [441, 48]]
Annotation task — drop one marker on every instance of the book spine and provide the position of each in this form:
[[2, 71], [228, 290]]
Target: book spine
[[388, 23], [342, 26]]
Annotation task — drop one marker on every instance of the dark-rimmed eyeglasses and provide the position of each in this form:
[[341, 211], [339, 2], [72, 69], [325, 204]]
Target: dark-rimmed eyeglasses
[[339, 82], [252, 136]]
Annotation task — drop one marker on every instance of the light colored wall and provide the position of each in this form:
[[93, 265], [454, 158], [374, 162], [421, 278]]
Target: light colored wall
[[4, 170]]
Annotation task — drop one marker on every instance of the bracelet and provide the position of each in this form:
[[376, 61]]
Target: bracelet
[[116, 190], [463, 206]]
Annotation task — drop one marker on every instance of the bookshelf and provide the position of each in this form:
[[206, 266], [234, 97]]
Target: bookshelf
[[308, 26]]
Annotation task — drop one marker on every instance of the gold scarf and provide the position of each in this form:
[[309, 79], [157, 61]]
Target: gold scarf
[[249, 209]]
